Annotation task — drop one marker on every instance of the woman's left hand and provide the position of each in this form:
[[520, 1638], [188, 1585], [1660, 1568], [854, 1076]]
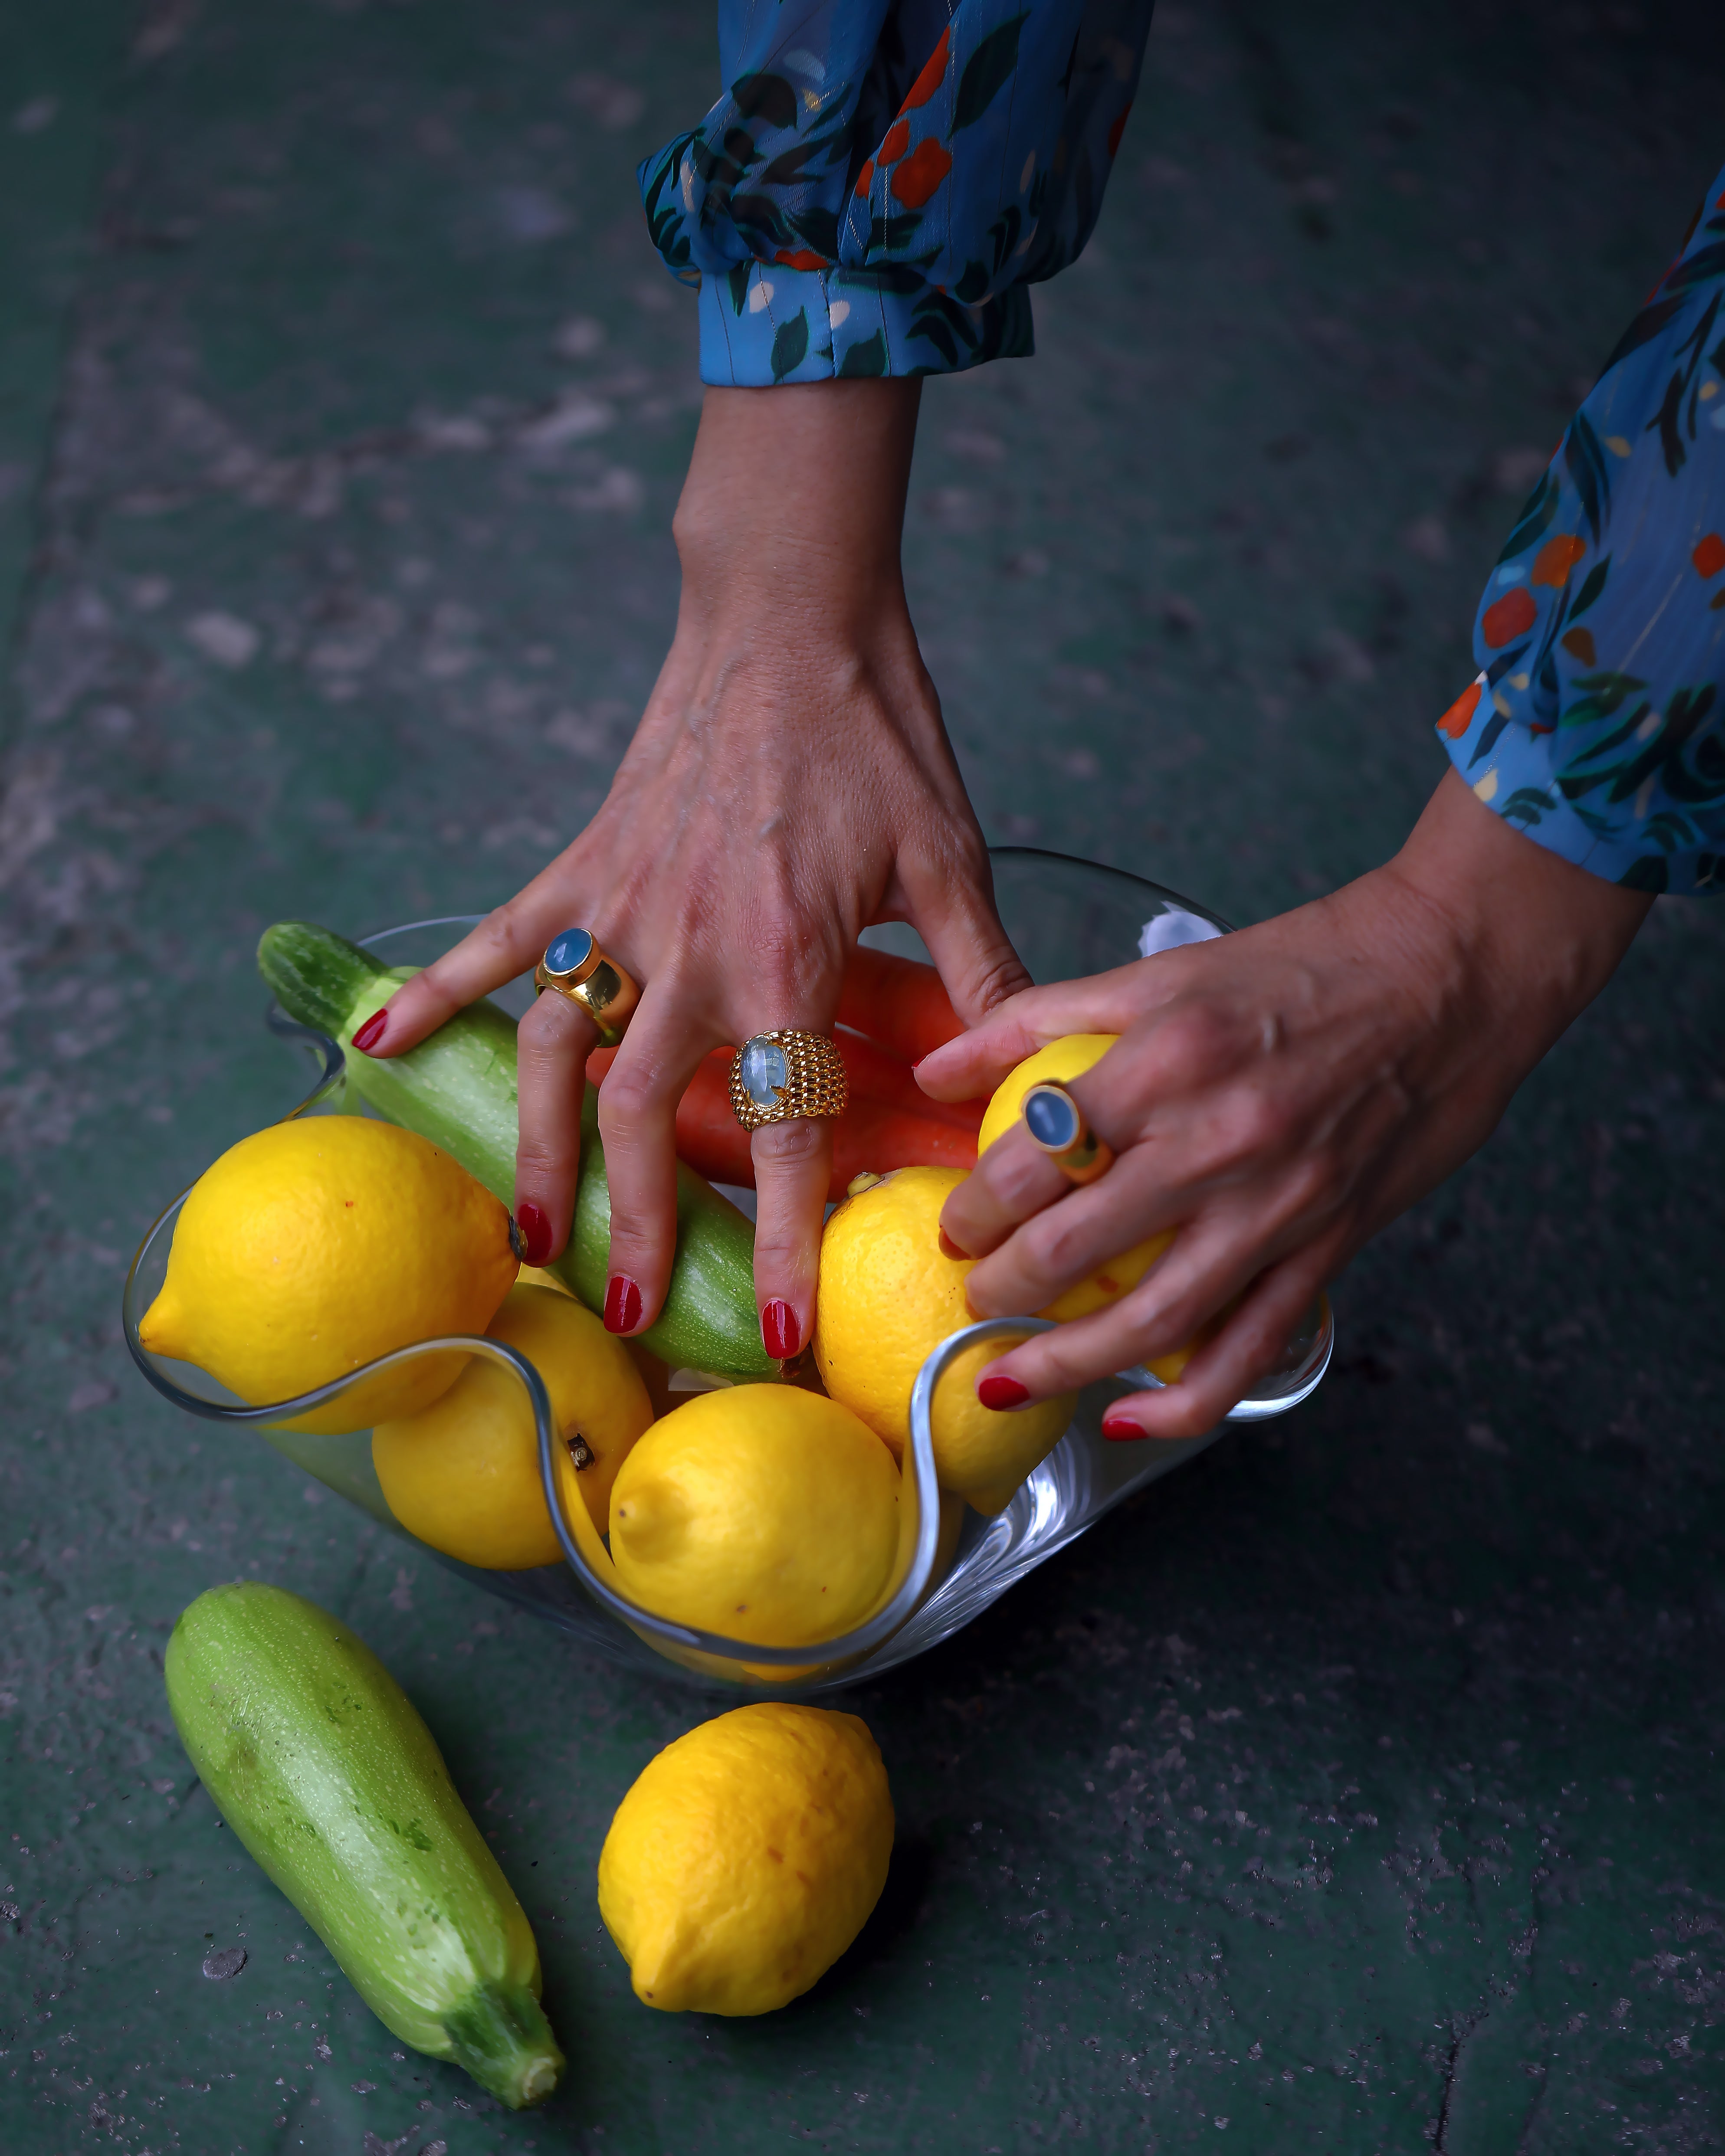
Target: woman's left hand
[[1277, 1096]]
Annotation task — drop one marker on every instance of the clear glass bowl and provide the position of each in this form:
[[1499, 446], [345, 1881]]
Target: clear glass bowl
[[1066, 917]]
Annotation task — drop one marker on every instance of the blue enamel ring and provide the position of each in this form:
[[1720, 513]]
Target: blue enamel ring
[[1057, 1128], [575, 967]]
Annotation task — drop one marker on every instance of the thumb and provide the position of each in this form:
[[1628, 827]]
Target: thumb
[[971, 949]]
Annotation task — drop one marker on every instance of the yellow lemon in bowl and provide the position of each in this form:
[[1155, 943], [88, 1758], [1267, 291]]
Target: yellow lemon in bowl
[[765, 1512], [312, 1248], [463, 1475], [746, 1859], [1061, 1061], [888, 1296]]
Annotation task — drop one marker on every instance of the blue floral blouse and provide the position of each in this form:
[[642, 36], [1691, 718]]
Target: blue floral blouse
[[883, 181]]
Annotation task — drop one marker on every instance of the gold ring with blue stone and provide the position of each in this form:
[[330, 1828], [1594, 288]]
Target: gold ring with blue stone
[[575, 967], [1056, 1125], [786, 1073]]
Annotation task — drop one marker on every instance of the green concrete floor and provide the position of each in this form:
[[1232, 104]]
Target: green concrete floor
[[1354, 1789]]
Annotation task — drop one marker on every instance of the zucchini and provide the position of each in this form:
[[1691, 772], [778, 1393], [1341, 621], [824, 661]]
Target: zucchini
[[458, 1089], [315, 1757]]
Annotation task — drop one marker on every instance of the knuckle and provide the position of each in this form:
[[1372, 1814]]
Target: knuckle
[[793, 1143], [1197, 1042], [628, 1100], [540, 1159], [1058, 1241]]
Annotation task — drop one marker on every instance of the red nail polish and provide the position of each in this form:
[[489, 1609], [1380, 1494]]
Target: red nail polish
[[372, 1031], [623, 1304], [999, 1392], [949, 1248], [780, 1330], [535, 1230], [1120, 1428]]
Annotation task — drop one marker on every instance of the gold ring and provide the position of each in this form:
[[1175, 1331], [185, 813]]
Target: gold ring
[[1056, 1124], [776, 1076], [575, 967]]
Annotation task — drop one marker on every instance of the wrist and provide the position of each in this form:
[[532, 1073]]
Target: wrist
[[795, 499], [1528, 938]]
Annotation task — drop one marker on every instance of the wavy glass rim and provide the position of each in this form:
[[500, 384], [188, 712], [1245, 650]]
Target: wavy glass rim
[[1074, 1486]]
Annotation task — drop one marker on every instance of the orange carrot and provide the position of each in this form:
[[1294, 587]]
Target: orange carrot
[[897, 1003], [873, 1133]]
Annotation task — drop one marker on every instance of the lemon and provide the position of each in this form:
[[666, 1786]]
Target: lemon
[[747, 1858], [463, 1475], [762, 1511], [317, 1245], [1063, 1060], [888, 1296]]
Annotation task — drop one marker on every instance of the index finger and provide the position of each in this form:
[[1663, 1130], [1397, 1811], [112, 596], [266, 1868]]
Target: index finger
[[511, 940]]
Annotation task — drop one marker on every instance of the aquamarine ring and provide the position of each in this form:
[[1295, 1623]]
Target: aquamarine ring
[[575, 967], [786, 1073]]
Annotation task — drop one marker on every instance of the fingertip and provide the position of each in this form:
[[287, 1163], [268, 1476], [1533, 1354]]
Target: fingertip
[[780, 1329], [368, 1038], [539, 1236]]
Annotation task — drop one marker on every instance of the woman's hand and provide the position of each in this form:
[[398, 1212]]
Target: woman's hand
[[1278, 1096], [789, 783]]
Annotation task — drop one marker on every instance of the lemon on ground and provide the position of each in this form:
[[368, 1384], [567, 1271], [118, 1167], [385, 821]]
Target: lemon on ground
[[888, 1296], [319, 1245], [463, 1475], [747, 1858], [762, 1511], [1062, 1060]]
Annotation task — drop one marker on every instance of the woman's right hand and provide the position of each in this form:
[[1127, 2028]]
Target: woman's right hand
[[790, 783]]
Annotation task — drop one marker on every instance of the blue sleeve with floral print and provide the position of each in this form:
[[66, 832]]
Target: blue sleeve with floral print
[[1594, 723], [882, 180]]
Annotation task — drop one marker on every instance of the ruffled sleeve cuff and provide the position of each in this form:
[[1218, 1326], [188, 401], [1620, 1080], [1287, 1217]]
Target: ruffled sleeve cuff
[[763, 323]]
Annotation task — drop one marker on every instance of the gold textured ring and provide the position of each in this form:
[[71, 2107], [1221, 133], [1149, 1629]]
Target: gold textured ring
[[1056, 1124], [575, 967], [776, 1076]]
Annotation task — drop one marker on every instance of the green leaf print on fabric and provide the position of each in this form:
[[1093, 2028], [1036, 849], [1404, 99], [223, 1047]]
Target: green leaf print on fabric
[[767, 97], [1535, 519], [868, 357], [986, 73], [790, 345]]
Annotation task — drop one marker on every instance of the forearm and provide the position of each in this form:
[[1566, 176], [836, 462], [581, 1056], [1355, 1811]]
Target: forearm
[[1523, 938]]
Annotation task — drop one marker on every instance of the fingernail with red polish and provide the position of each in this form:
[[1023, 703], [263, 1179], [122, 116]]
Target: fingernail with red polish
[[949, 1248], [623, 1304], [780, 1330], [372, 1031], [536, 1231], [1121, 1429], [1000, 1393]]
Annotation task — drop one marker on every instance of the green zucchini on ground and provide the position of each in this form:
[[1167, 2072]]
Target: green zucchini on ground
[[316, 1758], [458, 1089]]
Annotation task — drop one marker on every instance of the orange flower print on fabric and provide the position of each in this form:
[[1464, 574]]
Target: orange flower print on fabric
[[1579, 643], [1457, 721], [803, 258], [1511, 616], [933, 75], [897, 141], [921, 173], [865, 179], [1709, 557], [1556, 558]]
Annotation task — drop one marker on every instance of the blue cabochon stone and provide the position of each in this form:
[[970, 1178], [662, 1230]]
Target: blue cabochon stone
[[1051, 1120], [568, 951], [764, 1072]]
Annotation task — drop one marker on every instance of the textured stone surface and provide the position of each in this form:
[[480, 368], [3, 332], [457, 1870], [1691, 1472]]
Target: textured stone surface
[[1357, 1786]]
